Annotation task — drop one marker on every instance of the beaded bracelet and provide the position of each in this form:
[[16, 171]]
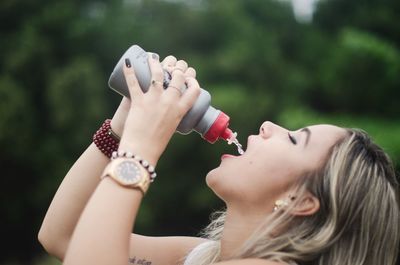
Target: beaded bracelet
[[143, 162], [106, 139]]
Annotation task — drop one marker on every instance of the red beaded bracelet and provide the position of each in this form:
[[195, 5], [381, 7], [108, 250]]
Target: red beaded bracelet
[[106, 139]]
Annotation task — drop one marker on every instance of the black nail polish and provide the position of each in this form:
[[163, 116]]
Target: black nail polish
[[128, 63], [155, 56]]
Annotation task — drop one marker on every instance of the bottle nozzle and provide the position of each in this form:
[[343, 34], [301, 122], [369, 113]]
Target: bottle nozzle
[[219, 129], [227, 134]]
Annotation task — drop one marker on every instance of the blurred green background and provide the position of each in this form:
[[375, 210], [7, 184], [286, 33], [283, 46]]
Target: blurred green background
[[259, 60]]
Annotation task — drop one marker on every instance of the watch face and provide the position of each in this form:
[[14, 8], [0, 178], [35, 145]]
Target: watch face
[[128, 172]]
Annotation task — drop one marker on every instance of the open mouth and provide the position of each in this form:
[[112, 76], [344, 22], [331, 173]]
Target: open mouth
[[241, 151]]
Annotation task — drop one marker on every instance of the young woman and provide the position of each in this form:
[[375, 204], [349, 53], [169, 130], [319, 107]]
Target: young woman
[[319, 195]]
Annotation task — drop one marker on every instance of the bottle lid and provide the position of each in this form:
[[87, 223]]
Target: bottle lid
[[219, 129]]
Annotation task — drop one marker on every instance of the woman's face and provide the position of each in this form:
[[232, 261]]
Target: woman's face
[[274, 160]]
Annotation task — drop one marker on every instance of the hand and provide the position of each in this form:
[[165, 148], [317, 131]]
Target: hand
[[170, 64], [154, 116]]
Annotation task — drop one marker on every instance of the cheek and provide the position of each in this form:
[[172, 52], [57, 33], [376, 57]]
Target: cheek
[[270, 178]]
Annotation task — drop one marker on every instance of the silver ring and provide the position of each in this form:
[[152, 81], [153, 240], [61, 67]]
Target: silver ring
[[154, 82], [180, 90]]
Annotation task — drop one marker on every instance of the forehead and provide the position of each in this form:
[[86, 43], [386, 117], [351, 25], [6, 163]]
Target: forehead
[[325, 134]]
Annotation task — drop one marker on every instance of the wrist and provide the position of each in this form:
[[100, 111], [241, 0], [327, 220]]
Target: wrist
[[117, 126], [149, 168], [119, 118], [146, 151], [105, 139]]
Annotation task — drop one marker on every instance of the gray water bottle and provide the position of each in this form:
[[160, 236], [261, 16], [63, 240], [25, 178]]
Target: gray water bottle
[[209, 122]]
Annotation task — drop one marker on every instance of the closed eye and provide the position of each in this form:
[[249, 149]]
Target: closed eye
[[292, 139]]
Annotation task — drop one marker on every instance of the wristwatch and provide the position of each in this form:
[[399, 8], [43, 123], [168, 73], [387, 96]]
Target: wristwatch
[[128, 172]]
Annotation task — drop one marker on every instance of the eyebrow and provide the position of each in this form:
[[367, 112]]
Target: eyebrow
[[308, 134]]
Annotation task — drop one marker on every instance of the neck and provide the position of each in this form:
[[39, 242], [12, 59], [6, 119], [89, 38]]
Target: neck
[[238, 228]]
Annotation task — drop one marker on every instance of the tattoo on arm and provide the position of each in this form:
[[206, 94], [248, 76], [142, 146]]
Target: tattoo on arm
[[139, 261]]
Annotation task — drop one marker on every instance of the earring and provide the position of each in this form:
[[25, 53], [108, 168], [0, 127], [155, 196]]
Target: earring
[[279, 204], [282, 203]]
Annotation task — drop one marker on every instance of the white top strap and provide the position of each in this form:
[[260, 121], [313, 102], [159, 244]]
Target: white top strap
[[197, 251]]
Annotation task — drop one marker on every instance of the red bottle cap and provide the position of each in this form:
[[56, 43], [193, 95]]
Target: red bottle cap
[[219, 129]]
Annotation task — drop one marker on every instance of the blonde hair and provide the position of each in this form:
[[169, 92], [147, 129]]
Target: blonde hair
[[357, 222]]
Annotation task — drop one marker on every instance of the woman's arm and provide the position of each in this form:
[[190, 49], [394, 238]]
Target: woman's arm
[[79, 184], [103, 231], [74, 192]]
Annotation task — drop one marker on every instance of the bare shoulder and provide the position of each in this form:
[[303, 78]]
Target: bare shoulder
[[250, 262]]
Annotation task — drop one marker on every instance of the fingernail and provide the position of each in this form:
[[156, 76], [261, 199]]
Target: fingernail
[[128, 63], [155, 56]]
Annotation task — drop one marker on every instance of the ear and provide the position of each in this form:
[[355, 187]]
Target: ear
[[308, 204]]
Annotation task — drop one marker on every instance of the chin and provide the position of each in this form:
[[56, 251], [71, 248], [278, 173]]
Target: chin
[[215, 182], [222, 183], [212, 178]]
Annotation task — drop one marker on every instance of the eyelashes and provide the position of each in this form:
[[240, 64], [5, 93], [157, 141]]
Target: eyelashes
[[292, 139]]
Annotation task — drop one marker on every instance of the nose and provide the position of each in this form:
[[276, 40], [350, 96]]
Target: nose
[[268, 129]]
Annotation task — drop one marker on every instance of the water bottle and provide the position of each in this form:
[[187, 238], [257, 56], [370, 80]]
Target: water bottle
[[210, 123]]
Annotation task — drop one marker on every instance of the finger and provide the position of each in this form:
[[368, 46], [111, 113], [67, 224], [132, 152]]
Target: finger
[[169, 61], [177, 85], [157, 73], [190, 72], [191, 94], [131, 81], [181, 65]]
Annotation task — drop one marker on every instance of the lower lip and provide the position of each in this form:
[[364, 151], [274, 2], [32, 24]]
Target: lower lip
[[227, 156]]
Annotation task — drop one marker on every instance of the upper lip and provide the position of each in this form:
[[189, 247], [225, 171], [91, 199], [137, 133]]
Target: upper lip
[[250, 141]]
